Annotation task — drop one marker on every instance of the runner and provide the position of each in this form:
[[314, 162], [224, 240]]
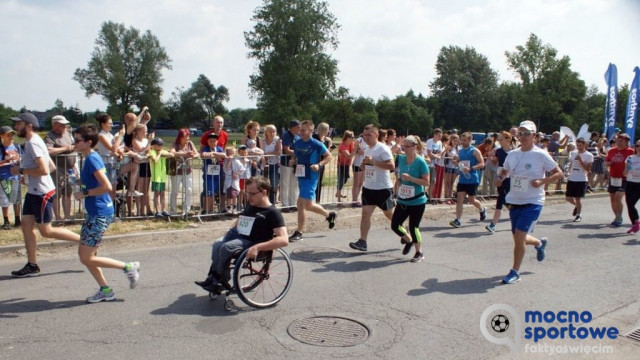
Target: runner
[[503, 185], [526, 167], [615, 162], [95, 193], [469, 161], [580, 161], [37, 211], [377, 190]]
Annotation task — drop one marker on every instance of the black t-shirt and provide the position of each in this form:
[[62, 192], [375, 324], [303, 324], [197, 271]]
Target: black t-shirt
[[264, 221]]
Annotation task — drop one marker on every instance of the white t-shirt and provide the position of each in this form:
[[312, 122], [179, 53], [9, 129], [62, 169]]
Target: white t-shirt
[[434, 147], [357, 159], [577, 172], [233, 172], [524, 167], [376, 178], [35, 148]]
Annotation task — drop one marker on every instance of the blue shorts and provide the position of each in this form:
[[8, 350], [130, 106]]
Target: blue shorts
[[92, 229], [40, 206], [307, 188], [524, 217], [211, 185]]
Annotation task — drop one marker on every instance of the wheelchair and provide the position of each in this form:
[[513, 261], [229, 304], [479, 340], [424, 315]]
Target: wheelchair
[[259, 283]]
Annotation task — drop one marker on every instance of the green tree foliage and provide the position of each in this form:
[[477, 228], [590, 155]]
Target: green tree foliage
[[125, 69], [290, 41], [465, 89], [6, 113], [201, 102], [553, 92], [402, 115], [238, 118], [208, 96]]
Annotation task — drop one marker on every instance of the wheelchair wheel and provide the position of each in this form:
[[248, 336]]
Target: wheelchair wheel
[[263, 282]]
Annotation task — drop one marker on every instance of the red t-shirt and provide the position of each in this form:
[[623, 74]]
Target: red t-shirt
[[617, 159], [345, 160], [222, 138]]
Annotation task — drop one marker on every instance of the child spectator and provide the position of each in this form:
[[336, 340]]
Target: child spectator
[[213, 156], [10, 193], [248, 164], [233, 170], [158, 166]]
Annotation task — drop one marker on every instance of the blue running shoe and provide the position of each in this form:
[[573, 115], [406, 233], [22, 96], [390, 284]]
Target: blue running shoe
[[541, 249], [491, 228], [617, 222], [455, 223], [483, 213], [512, 277]]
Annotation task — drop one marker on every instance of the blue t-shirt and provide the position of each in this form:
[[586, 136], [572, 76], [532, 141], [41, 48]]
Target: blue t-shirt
[[308, 153], [100, 205], [467, 155], [209, 161], [288, 139], [416, 169], [5, 171]]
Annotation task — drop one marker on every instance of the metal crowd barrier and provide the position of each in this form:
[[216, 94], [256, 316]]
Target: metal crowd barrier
[[198, 193]]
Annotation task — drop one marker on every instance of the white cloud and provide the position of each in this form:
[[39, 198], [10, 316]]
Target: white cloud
[[386, 47]]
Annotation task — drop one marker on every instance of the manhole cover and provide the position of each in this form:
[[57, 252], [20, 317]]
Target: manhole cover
[[317, 253], [328, 331]]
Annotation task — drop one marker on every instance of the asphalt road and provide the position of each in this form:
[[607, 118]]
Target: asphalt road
[[429, 310]]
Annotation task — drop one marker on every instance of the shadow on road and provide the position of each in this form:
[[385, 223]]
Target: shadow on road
[[190, 304], [460, 287], [632, 242], [352, 266], [9, 277], [8, 308]]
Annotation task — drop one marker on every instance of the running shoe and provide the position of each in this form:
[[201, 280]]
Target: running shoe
[[297, 236], [133, 274], [541, 249], [359, 245], [332, 219], [578, 218], [634, 228], [483, 213], [101, 296], [407, 247], [29, 270], [512, 277], [455, 223], [617, 222], [491, 228], [417, 257], [6, 226]]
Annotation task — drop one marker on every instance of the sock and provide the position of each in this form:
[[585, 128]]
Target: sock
[[6, 219], [17, 220], [517, 272], [127, 266], [105, 288]]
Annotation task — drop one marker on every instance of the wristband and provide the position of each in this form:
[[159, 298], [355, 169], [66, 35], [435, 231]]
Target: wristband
[[85, 192]]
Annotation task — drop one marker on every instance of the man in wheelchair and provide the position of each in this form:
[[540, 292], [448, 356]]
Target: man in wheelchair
[[259, 228]]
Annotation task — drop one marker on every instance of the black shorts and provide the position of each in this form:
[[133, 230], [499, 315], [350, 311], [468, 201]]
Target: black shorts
[[576, 189], [614, 189], [382, 198], [40, 206], [356, 169], [144, 170], [470, 189]]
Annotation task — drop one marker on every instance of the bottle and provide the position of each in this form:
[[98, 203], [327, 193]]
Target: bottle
[[73, 181], [467, 175]]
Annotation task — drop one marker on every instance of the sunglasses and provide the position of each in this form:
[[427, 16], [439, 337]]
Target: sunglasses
[[524, 133]]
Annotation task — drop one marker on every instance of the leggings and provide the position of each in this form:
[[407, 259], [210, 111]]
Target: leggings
[[414, 213], [632, 195]]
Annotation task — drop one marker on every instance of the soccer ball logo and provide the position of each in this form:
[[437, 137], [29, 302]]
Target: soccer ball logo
[[500, 323]]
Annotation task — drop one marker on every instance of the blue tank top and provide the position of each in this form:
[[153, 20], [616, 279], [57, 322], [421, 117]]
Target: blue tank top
[[467, 155]]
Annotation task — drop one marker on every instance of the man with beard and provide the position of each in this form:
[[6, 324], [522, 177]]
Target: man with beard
[[37, 210]]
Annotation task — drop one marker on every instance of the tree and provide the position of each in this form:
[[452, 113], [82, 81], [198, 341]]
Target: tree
[[6, 113], [290, 41], [553, 91], [465, 88], [404, 116], [125, 68], [210, 98]]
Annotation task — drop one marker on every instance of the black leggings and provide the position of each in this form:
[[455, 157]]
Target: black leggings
[[414, 213], [632, 195]]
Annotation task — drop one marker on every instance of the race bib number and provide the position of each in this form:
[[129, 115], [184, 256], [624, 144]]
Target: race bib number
[[634, 176], [406, 191], [465, 163], [369, 172], [519, 183], [245, 224], [615, 181], [300, 171], [213, 169]]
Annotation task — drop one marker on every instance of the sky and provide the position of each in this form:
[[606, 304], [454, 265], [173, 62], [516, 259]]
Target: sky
[[387, 47]]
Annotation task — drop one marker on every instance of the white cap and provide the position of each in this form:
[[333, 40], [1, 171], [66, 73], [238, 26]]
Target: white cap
[[59, 119], [529, 125]]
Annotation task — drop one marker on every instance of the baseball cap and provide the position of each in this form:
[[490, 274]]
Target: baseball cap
[[6, 130], [242, 147], [294, 122], [624, 136], [28, 118], [529, 125], [213, 136], [59, 119], [157, 141]]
